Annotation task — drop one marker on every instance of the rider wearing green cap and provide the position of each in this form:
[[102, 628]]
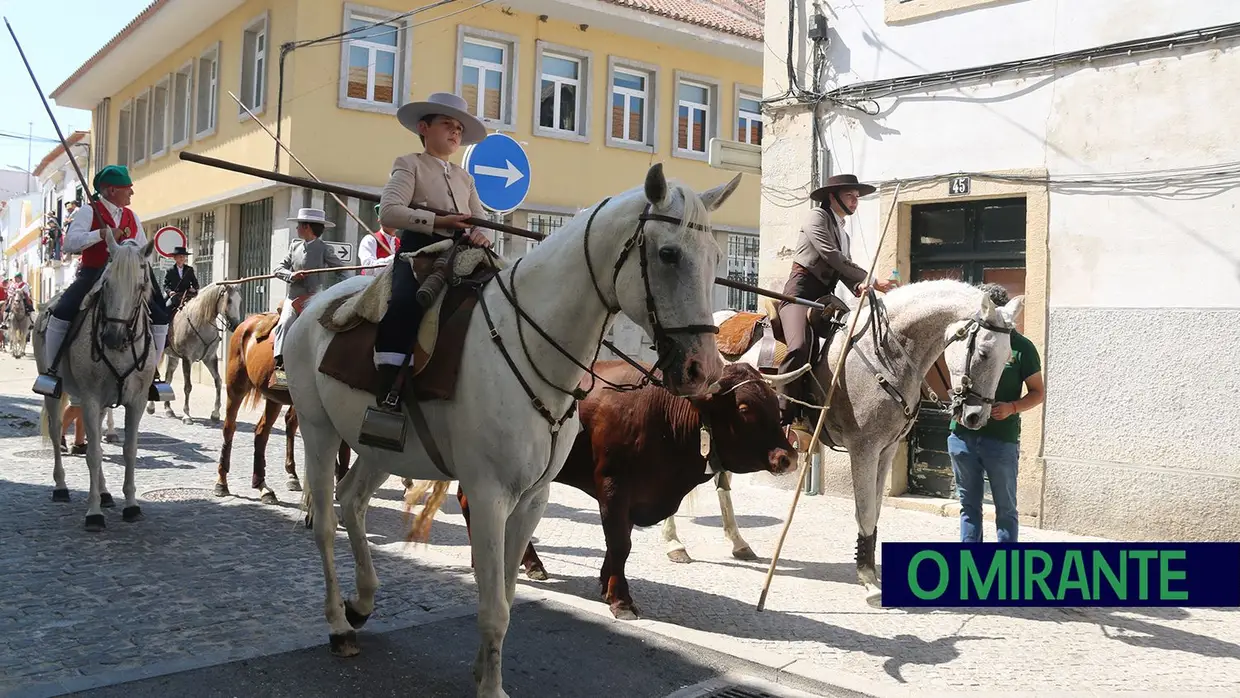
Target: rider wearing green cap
[[85, 236]]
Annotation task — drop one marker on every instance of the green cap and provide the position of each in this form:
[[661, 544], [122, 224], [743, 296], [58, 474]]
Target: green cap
[[113, 176]]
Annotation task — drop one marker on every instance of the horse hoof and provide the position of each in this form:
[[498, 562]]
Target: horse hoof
[[150, 408], [95, 523], [309, 521], [132, 514], [294, 485], [60, 495], [344, 644], [679, 556], [186, 419], [269, 498], [745, 553], [110, 438], [874, 598], [106, 501], [537, 574], [221, 490], [357, 620], [624, 612]]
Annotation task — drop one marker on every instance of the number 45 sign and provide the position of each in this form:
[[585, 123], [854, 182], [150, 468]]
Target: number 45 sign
[[957, 186]]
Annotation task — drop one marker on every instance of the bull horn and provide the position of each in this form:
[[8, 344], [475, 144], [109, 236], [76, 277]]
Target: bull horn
[[783, 378]]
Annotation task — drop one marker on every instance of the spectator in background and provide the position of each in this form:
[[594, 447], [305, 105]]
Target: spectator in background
[[993, 452]]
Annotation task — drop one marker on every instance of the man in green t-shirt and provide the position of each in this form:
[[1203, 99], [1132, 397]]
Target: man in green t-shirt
[[993, 451]]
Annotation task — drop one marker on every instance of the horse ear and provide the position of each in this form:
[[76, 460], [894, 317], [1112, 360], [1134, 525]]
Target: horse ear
[[1013, 309], [988, 306], [714, 198], [148, 248], [656, 185]]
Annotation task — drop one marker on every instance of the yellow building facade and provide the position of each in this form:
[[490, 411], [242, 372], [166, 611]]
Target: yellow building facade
[[595, 91]]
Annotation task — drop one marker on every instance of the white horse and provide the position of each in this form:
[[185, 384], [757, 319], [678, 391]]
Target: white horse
[[915, 325], [110, 360], [195, 337], [649, 253]]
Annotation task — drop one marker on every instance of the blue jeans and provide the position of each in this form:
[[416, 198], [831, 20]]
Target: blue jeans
[[972, 457]]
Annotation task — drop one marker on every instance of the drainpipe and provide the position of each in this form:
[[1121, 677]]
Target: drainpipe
[[285, 49]]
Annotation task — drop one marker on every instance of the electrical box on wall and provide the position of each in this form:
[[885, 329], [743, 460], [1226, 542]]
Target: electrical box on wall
[[817, 27]]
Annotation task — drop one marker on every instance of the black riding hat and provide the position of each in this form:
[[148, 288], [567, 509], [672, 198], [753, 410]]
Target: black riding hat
[[840, 183]]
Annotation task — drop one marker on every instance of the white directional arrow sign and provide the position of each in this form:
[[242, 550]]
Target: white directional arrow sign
[[510, 173]]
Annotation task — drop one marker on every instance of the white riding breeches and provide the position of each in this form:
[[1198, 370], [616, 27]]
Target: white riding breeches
[[287, 316]]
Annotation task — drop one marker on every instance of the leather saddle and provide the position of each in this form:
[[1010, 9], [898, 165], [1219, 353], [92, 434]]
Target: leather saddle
[[448, 281]]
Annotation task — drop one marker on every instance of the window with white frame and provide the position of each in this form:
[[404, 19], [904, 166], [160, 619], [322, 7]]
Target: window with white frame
[[141, 117], [693, 105], [159, 118], [124, 135], [254, 66], [208, 91], [749, 119], [101, 127], [485, 77], [630, 104], [559, 95], [182, 104], [375, 55]]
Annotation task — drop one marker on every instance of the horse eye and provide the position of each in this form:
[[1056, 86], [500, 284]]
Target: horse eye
[[669, 255], [983, 355]]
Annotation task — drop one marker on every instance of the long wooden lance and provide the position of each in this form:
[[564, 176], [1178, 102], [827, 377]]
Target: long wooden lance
[[478, 222]]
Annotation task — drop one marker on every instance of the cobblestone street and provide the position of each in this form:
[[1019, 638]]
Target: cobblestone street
[[214, 580]]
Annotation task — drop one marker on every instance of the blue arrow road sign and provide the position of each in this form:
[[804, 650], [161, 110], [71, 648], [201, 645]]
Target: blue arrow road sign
[[501, 172]]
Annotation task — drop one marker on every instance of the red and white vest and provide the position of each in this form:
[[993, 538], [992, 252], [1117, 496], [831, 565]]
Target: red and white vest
[[385, 244], [95, 256]]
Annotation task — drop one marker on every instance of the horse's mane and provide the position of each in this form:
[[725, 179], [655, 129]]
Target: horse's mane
[[126, 267], [203, 308]]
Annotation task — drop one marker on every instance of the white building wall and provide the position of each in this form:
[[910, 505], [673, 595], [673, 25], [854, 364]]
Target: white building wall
[[1144, 286]]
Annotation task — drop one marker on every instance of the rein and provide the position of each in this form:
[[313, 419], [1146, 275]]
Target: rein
[[578, 393]]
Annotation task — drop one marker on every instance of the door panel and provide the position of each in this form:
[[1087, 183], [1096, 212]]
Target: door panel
[[986, 246]]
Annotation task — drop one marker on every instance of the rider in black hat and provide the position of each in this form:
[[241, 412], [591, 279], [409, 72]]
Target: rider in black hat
[[180, 281], [821, 261]]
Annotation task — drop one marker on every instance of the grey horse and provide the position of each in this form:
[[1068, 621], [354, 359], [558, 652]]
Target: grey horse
[[875, 404], [19, 326], [195, 337], [109, 360]]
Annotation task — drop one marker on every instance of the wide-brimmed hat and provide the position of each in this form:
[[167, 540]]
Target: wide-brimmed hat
[[840, 183], [179, 250], [313, 215], [447, 104]]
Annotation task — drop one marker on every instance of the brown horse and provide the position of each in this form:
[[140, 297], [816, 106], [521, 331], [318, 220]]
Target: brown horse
[[247, 375]]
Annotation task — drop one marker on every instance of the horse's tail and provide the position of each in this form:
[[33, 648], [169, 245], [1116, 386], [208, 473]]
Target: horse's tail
[[420, 531], [45, 428]]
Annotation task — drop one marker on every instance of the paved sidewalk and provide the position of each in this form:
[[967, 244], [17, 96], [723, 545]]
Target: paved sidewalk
[[210, 580]]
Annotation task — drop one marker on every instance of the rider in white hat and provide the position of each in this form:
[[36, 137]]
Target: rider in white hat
[[305, 253], [443, 123]]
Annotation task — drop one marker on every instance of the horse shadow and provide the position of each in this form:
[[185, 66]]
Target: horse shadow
[[712, 613], [1141, 633]]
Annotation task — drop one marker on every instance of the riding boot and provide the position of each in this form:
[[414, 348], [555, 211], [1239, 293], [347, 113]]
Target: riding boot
[[158, 389], [279, 379], [57, 330]]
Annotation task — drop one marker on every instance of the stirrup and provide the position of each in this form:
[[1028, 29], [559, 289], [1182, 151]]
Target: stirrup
[[383, 426], [160, 392], [48, 385]]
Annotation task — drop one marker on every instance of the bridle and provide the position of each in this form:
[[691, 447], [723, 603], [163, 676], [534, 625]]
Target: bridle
[[964, 391], [138, 320], [662, 333]]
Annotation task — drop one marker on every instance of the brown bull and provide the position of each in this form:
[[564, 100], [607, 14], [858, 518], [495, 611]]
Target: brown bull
[[640, 453]]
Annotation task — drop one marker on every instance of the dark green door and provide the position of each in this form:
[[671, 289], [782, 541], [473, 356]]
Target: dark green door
[[977, 242]]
